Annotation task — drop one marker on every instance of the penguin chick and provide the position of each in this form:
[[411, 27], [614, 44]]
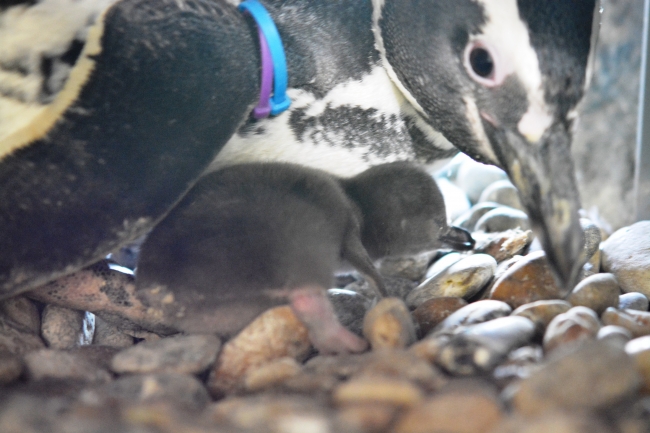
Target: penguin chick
[[249, 237], [403, 211]]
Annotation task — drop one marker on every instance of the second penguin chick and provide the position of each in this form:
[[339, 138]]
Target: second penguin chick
[[403, 211], [249, 237]]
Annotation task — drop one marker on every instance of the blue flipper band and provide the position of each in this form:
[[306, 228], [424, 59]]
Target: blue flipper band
[[279, 101]]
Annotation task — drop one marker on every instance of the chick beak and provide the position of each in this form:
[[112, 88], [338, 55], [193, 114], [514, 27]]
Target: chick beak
[[543, 173]]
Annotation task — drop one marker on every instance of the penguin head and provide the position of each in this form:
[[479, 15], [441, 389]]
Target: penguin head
[[500, 79]]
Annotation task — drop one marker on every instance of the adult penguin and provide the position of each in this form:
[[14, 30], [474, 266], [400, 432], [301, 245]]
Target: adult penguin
[[94, 155]]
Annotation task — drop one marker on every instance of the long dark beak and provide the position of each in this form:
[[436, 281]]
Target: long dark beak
[[458, 238], [543, 173]]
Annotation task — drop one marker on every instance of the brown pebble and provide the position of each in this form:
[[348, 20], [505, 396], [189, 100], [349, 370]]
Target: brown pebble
[[395, 392], [17, 341], [555, 421], [614, 334], [574, 326], [23, 312], [503, 245], [389, 325], [626, 254], [368, 417], [402, 364], [276, 333], [11, 367], [595, 375], [468, 410], [542, 312], [63, 364], [598, 292], [63, 328], [430, 313], [639, 350], [271, 374], [637, 322], [107, 334], [529, 280]]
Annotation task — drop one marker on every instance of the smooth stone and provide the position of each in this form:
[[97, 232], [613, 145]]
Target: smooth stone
[[392, 391], [503, 266], [17, 341], [11, 367], [501, 219], [542, 312], [598, 292], [570, 328], [633, 301], [637, 345], [429, 348], [519, 364], [271, 374], [479, 348], [592, 236], [637, 322], [555, 421], [63, 364], [63, 328], [456, 201], [180, 389], [626, 254], [476, 312], [595, 375], [276, 333], [592, 266], [389, 325], [23, 312], [469, 219], [615, 334], [502, 192], [639, 350], [107, 334], [467, 409], [503, 245], [473, 177], [443, 263], [410, 267], [191, 354], [430, 313], [528, 280], [463, 279], [350, 308], [368, 417]]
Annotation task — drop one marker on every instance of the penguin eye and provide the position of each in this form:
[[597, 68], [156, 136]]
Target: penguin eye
[[481, 64]]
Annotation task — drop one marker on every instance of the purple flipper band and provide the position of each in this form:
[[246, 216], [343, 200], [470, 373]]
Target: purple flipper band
[[263, 109]]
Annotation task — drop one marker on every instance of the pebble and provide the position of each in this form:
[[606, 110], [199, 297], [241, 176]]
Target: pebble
[[503, 245], [542, 312], [271, 374], [64, 364], [22, 312], [410, 267], [633, 301], [191, 354], [442, 263], [463, 279], [63, 328], [598, 292], [501, 219], [615, 334], [476, 312], [592, 237], [556, 421], [626, 254], [637, 322], [519, 364], [528, 280], [391, 391], [368, 417], [11, 367], [276, 333], [639, 350], [479, 348], [570, 328], [502, 192], [180, 389], [462, 410], [350, 308], [107, 334], [473, 177], [389, 325], [456, 202], [469, 219], [595, 375], [15, 340], [430, 313]]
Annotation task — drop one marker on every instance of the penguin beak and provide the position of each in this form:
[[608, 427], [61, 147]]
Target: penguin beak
[[543, 173], [458, 238]]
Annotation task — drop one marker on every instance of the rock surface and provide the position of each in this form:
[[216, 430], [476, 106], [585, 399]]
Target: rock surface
[[626, 254]]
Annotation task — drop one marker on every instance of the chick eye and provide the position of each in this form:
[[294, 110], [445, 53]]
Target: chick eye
[[481, 62]]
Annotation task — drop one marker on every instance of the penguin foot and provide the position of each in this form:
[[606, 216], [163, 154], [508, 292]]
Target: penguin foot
[[329, 337]]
